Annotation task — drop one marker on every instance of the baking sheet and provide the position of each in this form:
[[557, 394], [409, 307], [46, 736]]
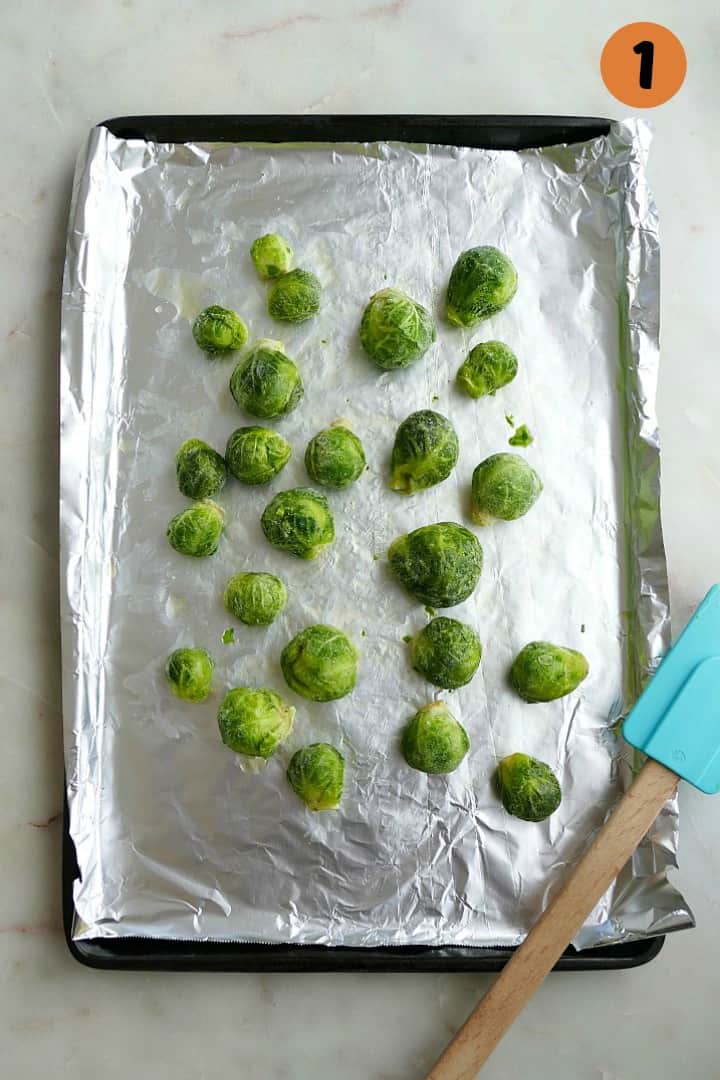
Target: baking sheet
[[176, 837]]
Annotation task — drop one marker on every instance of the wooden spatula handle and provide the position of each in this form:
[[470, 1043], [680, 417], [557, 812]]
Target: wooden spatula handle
[[547, 940]]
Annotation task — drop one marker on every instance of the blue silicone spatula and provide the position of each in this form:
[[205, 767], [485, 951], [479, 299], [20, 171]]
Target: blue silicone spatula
[[676, 722]]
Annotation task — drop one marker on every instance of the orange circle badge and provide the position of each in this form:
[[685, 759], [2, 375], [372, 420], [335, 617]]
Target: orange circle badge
[[643, 64]]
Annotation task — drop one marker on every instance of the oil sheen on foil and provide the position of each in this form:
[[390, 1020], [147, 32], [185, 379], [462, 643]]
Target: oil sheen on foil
[[175, 835]]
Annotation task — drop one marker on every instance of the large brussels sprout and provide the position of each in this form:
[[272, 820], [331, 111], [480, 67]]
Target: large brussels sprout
[[395, 330], [335, 457], [219, 330], [316, 774], [439, 564], [271, 256], [483, 281], [504, 487], [255, 598], [543, 671], [299, 521], [201, 471], [266, 382], [487, 367], [447, 652], [425, 452], [255, 455], [320, 663], [190, 672], [528, 788], [295, 297], [197, 530], [254, 722], [434, 741]]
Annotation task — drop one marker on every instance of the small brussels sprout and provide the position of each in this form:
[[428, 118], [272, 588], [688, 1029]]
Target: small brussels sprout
[[271, 256], [439, 564], [434, 741], [447, 652], [504, 488], [219, 330], [528, 788], [543, 672], [320, 663], [395, 330], [483, 281], [316, 774], [197, 530], [488, 366], [255, 455], [255, 599], [254, 722], [335, 457], [201, 471], [425, 452], [294, 297], [266, 383], [189, 672], [299, 521]]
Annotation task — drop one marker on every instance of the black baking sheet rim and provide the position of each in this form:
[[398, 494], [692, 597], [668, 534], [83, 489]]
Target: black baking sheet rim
[[163, 954]]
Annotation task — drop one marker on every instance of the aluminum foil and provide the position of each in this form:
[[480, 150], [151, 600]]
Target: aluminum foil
[[175, 835]]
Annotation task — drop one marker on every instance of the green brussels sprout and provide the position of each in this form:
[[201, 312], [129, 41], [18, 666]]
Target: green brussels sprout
[[189, 672], [255, 455], [201, 471], [316, 774], [528, 788], [446, 652], [219, 330], [504, 487], [255, 599], [439, 564], [335, 457], [522, 436], [271, 256], [425, 452], [488, 366], [254, 722], [299, 521], [434, 741], [197, 530], [266, 383], [543, 672], [395, 330], [483, 281], [294, 297], [320, 663]]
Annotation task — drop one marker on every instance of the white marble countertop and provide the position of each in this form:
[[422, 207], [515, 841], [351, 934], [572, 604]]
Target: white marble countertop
[[64, 65]]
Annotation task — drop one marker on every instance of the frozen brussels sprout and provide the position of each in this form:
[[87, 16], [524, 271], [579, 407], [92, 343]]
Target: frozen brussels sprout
[[528, 788], [271, 256], [201, 471], [255, 455], [254, 722], [483, 281], [255, 598], [320, 663], [266, 382], [504, 487], [439, 564], [189, 672], [335, 458], [425, 452], [299, 521], [488, 366], [294, 297], [447, 652], [197, 530], [434, 741], [543, 672], [219, 330], [316, 774], [395, 330]]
